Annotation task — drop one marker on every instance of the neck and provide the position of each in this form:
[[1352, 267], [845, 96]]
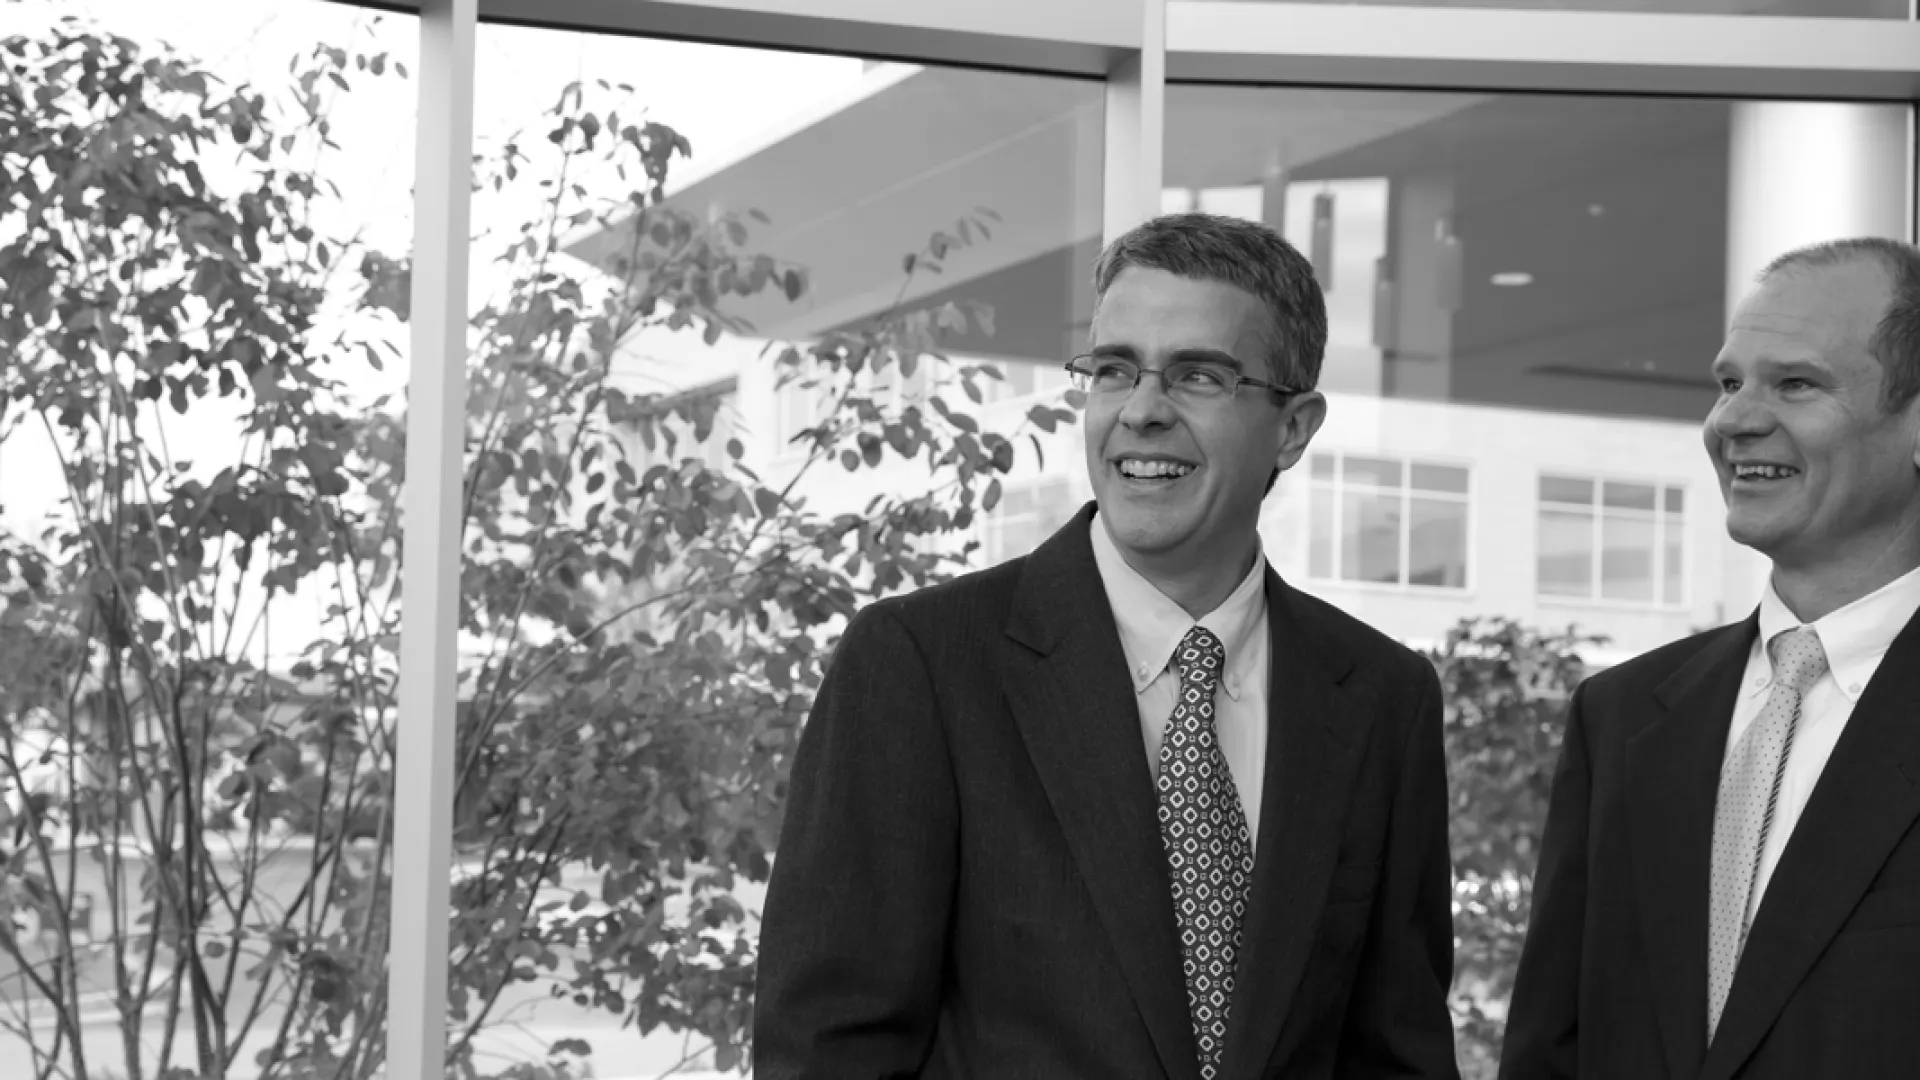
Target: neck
[[1198, 589], [1815, 591]]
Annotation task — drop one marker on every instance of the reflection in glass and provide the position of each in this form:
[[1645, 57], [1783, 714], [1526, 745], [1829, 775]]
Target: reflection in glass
[[1565, 566], [1673, 586], [1370, 538], [1437, 543], [1320, 546], [1526, 288], [1399, 523], [1627, 555]]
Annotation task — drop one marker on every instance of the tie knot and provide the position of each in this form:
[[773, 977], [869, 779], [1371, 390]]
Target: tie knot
[[1200, 656], [1798, 659]]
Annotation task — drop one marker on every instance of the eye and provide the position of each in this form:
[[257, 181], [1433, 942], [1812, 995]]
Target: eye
[[1203, 377], [1729, 386], [1795, 382]]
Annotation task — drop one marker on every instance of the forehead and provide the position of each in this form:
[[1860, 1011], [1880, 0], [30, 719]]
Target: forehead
[[1824, 314], [1151, 310]]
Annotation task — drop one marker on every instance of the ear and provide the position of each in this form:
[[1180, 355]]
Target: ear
[[1300, 422]]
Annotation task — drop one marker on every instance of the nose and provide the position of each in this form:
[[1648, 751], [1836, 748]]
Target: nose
[[1146, 404], [1740, 414]]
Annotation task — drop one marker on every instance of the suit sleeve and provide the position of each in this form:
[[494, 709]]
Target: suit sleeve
[[854, 929], [1398, 1023], [1543, 1020]]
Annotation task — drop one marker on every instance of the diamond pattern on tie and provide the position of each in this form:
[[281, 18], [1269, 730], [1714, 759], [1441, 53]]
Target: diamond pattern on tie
[[1209, 850], [1743, 812]]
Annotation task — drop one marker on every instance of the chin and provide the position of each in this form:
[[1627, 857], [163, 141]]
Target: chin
[[1762, 536]]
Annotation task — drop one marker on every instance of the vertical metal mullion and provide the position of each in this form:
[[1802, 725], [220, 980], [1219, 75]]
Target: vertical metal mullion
[[436, 411], [1135, 150]]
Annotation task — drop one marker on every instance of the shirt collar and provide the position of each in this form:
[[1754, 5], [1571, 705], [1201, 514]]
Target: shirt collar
[[1152, 624], [1854, 637]]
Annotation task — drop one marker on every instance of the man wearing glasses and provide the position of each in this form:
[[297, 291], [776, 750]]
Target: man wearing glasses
[[1130, 806]]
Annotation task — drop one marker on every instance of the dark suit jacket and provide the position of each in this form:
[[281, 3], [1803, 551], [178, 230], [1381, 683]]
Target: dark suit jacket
[[1613, 981], [970, 881]]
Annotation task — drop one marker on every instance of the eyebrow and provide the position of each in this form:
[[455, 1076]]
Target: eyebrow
[[1775, 367], [1202, 355]]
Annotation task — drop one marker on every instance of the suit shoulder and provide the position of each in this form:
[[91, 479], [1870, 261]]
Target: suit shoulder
[[1655, 666], [966, 598]]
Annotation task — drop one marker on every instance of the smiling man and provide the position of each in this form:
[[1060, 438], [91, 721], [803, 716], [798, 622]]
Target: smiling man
[[1129, 806], [1730, 881]]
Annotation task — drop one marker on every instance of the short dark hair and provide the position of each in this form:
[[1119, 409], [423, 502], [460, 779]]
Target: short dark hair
[[1242, 253], [1896, 338]]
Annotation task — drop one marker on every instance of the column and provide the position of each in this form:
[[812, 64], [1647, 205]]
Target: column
[[1136, 128], [430, 560]]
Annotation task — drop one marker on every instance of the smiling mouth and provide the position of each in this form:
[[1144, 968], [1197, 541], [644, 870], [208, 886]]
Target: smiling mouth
[[1764, 473], [1135, 469]]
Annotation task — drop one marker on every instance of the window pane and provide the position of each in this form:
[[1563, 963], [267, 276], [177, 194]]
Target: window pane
[[1524, 284], [228, 404], [1674, 581], [1565, 566], [1370, 538], [1626, 558], [839, 170], [1559, 489], [1442, 478], [1627, 496], [1377, 472], [1676, 501], [1437, 544], [1321, 524], [1323, 466], [1830, 9]]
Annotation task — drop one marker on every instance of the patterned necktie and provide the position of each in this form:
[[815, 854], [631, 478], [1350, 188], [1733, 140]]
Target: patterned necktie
[[1209, 852], [1743, 813]]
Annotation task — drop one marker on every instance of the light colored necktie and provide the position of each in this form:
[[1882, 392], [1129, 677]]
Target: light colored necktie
[[1209, 851], [1743, 813]]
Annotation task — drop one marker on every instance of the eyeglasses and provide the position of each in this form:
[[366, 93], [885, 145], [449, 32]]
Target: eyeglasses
[[1185, 380]]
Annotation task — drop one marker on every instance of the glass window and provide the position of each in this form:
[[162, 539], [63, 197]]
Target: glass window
[[1627, 543], [1829, 9], [807, 243], [1526, 286], [1387, 521], [205, 372], [1028, 513]]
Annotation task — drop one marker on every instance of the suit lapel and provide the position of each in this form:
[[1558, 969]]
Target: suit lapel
[[1067, 685], [1866, 799], [1673, 777], [1315, 732]]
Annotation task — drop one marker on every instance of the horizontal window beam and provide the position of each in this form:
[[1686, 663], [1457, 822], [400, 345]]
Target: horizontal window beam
[[1066, 39], [1578, 51]]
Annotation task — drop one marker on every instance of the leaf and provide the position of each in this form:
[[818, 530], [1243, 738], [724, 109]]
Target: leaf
[[992, 497], [1041, 417]]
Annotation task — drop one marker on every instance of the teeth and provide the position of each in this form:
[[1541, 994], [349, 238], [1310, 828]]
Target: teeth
[[1763, 472], [1153, 470]]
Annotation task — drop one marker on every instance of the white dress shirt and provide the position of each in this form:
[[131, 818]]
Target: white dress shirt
[[1855, 638], [1151, 626]]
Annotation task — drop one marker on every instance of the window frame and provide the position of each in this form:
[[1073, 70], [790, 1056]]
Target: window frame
[[1659, 516], [1338, 488]]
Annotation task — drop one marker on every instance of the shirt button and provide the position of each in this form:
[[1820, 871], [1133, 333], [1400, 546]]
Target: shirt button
[[1142, 671], [1853, 688]]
